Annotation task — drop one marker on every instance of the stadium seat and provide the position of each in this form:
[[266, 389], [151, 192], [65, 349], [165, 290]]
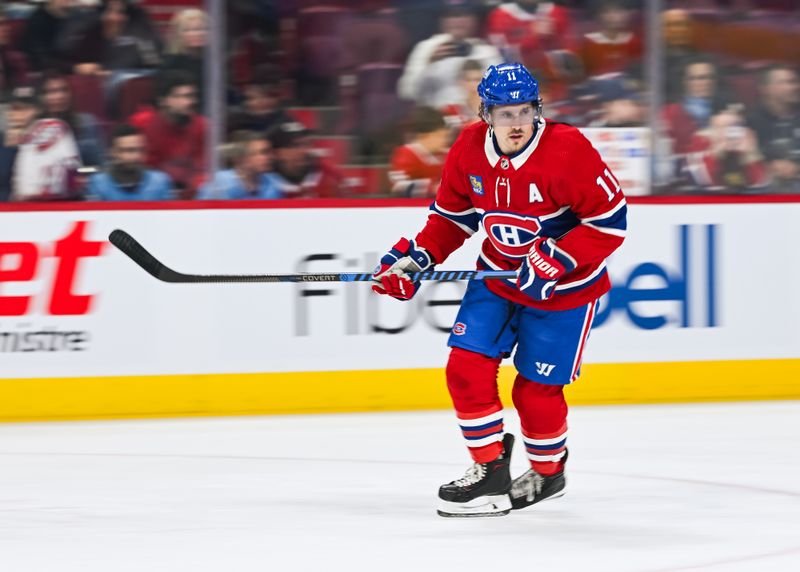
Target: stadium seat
[[88, 94], [133, 94]]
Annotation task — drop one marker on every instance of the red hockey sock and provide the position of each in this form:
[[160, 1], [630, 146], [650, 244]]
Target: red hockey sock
[[543, 414], [472, 382]]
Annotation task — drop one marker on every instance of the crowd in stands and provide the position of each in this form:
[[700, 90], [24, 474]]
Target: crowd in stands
[[106, 99]]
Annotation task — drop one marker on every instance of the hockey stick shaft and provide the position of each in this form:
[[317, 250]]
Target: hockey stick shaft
[[139, 254]]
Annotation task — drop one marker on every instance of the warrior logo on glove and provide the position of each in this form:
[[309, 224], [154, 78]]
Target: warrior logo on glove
[[543, 266], [391, 275]]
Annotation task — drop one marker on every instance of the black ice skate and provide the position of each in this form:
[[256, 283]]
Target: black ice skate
[[531, 487], [483, 490]]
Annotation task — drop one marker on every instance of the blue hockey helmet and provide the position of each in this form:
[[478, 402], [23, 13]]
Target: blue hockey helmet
[[508, 84]]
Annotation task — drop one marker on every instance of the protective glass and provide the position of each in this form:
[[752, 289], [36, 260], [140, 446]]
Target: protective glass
[[506, 117]]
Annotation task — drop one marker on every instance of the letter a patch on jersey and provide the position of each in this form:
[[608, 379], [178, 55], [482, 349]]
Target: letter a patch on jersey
[[477, 184], [535, 195]]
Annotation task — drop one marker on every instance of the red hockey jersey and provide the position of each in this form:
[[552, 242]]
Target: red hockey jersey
[[558, 186]]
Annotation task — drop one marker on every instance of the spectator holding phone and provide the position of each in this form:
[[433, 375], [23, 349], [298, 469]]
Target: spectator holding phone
[[432, 72], [725, 156]]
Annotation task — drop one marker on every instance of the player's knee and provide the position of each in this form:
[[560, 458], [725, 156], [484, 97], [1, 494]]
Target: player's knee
[[470, 372], [531, 394]]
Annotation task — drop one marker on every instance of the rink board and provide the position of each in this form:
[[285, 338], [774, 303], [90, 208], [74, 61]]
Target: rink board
[[701, 311]]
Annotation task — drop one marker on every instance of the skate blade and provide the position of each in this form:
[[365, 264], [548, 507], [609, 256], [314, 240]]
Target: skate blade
[[492, 505]]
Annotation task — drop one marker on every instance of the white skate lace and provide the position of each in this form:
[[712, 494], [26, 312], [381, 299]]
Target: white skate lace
[[473, 475], [528, 485]]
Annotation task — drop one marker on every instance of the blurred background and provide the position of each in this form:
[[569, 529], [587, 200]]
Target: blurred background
[[267, 99]]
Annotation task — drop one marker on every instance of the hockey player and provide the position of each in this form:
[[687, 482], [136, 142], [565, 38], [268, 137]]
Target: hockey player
[[553, 211]]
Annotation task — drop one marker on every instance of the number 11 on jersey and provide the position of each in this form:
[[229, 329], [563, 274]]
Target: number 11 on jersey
[[604, 185]]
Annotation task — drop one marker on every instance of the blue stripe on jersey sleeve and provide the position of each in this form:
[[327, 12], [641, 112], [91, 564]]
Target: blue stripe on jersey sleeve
[[560, 225], [468, 220], [617, 220]]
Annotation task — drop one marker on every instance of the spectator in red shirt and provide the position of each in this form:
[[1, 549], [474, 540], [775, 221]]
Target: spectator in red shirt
[[537, 34], [725, 156], [700, 100], [416, 168], [299, 172], [615, 46], [175, 133]]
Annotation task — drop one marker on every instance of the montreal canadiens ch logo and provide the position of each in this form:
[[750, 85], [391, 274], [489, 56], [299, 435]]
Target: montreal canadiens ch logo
[[510, 234]]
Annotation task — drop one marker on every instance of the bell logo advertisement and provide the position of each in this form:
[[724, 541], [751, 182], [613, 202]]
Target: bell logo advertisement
[[687, 286], [37, 283]]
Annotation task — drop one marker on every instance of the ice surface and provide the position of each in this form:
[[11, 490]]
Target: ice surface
[[651, 489]]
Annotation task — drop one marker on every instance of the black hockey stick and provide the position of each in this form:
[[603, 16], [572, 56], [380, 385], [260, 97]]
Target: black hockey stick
[[136, 252]]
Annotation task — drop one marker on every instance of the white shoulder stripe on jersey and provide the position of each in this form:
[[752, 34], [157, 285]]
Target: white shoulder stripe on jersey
[[614, 231], [460, 213], [463, 227], [607, 214], [559, 212]]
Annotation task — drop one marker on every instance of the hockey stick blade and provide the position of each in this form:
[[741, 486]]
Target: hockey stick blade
[[139, 254]]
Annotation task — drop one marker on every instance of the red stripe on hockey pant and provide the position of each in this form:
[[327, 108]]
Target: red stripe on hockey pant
[[542, 413], [472, 383]]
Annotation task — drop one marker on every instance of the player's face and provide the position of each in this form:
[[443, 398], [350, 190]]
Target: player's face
[[513, 126]]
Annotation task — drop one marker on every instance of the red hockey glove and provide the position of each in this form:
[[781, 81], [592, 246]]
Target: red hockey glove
[[544, 264], [391, 276]]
